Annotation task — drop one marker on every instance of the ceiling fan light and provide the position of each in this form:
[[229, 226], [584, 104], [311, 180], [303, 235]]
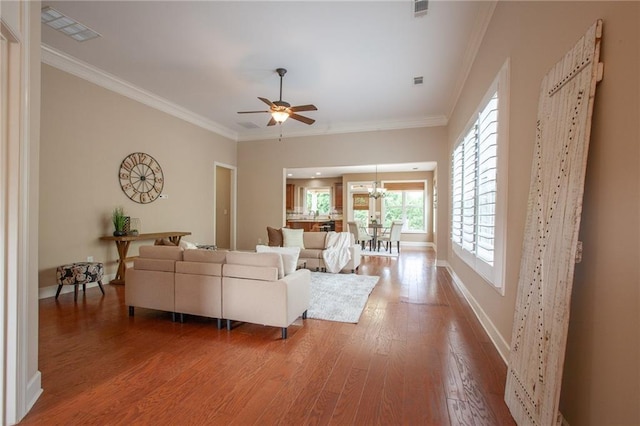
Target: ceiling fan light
[[280, 116]]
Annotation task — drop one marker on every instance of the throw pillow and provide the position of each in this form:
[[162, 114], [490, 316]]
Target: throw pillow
[[292, 237], [187, 245], [289, 256], [275, 237], [164, 242]]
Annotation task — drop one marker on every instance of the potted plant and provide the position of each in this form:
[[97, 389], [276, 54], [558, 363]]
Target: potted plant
[[119, 220]]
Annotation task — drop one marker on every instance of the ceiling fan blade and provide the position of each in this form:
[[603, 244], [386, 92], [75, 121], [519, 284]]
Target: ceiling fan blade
[[303, 108], [250, 112], [272, 122], [266, 101], [305, 120]]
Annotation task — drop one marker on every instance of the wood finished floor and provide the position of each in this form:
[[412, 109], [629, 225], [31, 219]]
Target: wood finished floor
[[418, 356]]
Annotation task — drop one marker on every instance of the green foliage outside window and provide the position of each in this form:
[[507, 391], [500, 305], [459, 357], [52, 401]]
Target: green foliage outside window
[[407, 206], [361, 216], [322, 202]]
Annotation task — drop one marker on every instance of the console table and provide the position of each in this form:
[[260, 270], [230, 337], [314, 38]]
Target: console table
[[122, 244]]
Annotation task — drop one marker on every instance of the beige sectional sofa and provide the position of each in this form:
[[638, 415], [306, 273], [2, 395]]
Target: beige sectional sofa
[[236, 286], [314, 244]]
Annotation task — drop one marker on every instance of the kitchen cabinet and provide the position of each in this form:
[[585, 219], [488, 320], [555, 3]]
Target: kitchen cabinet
[[311, 225], [301, 224], [290, 195], [337, 196]]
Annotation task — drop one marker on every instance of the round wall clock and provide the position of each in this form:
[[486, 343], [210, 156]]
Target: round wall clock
[[141, 177]]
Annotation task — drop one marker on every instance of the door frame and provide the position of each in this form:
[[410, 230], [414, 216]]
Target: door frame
[[234, 208]]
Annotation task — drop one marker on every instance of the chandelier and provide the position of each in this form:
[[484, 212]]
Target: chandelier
[[377, 191]]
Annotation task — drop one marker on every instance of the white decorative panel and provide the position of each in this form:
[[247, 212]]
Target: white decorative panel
[[551, 235]]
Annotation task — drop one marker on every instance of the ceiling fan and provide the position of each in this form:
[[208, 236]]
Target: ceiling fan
[[281, 110]]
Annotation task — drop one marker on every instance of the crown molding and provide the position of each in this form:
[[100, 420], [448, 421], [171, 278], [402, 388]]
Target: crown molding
[[81, 69], [377, 126], [477, 35], [74, 66]]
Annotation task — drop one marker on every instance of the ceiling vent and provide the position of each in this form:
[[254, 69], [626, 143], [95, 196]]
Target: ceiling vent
[[420, 7], [68, 26], [418, 80], [248, 125]]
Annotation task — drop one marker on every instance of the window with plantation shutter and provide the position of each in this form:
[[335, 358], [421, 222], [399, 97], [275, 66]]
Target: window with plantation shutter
[[487, 152], [477, 201]]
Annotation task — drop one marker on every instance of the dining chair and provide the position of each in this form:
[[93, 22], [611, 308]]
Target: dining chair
[[360, 234], [393, 235]]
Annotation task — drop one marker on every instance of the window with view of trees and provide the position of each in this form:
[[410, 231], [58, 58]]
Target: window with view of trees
[[361, 204], [319, 200], [405, 201]]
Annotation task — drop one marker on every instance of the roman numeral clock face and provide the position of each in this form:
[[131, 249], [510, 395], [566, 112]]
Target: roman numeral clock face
[[141, 177]]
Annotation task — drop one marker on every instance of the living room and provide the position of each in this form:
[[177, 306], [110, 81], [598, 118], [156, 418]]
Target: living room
[[86, 130]]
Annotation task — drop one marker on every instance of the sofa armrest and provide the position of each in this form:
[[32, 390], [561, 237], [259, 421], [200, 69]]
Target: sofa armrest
[[356, 253], [276, 303], [298, 293]]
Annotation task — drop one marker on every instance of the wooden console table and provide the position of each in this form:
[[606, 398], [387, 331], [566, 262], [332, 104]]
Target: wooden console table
[[122, 244]]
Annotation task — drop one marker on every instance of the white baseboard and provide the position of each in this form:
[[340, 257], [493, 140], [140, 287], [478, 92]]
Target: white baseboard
[[498, 341], [50, 291], [415, 244], [34, 390]]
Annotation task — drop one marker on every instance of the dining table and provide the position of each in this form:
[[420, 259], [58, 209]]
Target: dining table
[[376, 228]]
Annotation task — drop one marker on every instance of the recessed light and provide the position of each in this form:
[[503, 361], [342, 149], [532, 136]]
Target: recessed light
[[68, 26], [289, 174], [318, 173]]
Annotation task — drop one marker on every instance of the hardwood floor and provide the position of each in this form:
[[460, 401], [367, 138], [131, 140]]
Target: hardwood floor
[[418, 356]]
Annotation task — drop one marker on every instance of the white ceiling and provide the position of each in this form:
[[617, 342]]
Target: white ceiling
[[354, 60]]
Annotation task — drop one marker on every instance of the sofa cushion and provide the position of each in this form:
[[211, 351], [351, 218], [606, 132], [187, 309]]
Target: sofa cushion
[[248, 272], [293, 237], [202, 255], [314, 240], [158, 265], [255, 259], [310, 254], [161, 252], [199, 268], [289, 256], [275, 237]]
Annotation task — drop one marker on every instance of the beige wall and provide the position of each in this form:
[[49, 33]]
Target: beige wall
[[86, 133], [261, 165], [602, 378]]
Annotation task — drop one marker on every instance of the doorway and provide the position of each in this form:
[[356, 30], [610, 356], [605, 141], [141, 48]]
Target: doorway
[[225, 206]]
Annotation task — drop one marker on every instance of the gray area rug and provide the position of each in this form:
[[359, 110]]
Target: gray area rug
[[381, 253], [339, 297]]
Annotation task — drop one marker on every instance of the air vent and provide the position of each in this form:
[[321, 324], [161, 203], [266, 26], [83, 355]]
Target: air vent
[[67, 26], [249, 125], [418, 80], [420, 7]]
